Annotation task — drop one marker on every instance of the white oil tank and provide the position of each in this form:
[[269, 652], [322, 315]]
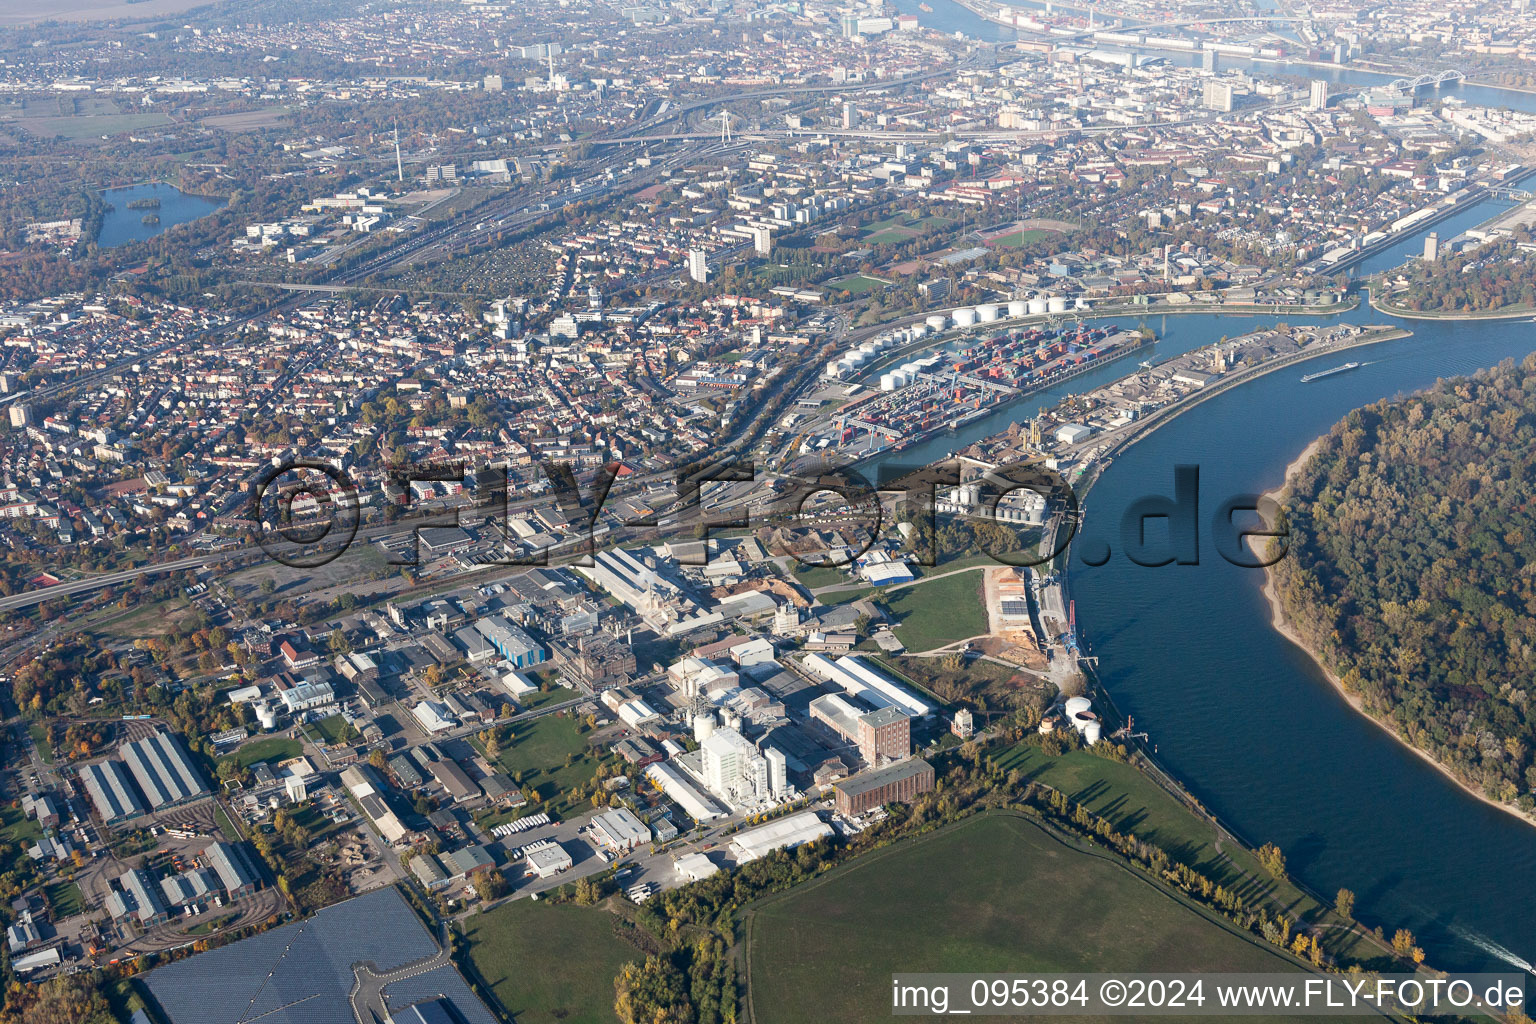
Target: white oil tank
[[1038, 306], [703, 726], [1077, 705], [1017, 308], [965, 317], [1056, 304], [937, 322], [1091, 733], [986, 313], [887, 382], [266, 717]]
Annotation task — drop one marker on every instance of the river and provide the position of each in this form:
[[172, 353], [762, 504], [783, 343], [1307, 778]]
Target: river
[[949, 17], [1244, 718]]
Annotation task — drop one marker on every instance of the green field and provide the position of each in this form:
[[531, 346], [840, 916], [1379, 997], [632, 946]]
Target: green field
[[39, 734], [900, 228], [1131, 801], [273, 748], [65, 899], [1017, 238], [938, 612], [535, 753], [332, 730], [994, 893], [857, 284], [550, 964], [89, 125]]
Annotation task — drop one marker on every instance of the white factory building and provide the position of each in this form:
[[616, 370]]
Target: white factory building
[[735, 770], [696, 804], [783, 834], [854, 676]]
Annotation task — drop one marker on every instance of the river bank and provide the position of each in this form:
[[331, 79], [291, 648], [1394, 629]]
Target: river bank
[[1403, 313], [1282, 625]]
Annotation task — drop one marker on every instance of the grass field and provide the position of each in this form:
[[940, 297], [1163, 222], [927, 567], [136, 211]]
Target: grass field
[[273, 748], [39, 734], [536, 752], [1017, 238], [577, 951], [900, 228], [857, 284], [994, 893], [66, 899], [1133, 802], [88, 125], [333, 729], [938, 612]]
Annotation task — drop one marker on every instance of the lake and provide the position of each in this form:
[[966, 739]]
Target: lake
[[123, 225]]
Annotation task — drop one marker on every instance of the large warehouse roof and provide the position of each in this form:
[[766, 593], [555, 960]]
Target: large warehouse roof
[[783, 834], [162, 769], [301, 973], [232, 866], [111, 791]]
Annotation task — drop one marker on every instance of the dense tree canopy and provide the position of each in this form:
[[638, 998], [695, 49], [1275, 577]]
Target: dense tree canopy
[[1412, 575]]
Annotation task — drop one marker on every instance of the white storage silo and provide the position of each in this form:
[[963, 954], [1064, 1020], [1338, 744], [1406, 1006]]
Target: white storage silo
[[1076, 706], [1038, 306], [266, 717], [887, 382], [938, 321], [900, 379], [703, 726], [834, 368], [1017, 308], [1056, 304], [1091, 733], [987, 312], [965, 317], [868, 348]]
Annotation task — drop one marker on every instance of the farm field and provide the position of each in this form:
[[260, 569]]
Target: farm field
[[993, 893], [573, 986]]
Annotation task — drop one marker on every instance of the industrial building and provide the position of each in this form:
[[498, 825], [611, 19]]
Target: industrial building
[[851, 674], [783, 834], [511, 642], [300, 973], [897, 783], [163, 770], [111, 791], [138, 897], [548, 860], [884, 735], [696, 804], [368, 792], [619, 830], [454, 780]]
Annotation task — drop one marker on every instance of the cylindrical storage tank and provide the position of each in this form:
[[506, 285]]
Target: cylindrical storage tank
[[1077, 705], [1082, 303], [1038, 306], [844, 366], [1083, 719], [858, 359], [1091, 733], [965, 317], [986, 313], [887, 382], [868, 348], [834, 367], [733, 721], [938, 322], [900, 379], [1017, 308], [1056, 304], [267, 717], [703, 727]]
